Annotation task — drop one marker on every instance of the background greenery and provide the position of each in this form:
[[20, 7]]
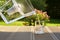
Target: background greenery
[[39, 4], [51, 6]]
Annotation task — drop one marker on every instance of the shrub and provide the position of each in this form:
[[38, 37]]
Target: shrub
[[40, 15]]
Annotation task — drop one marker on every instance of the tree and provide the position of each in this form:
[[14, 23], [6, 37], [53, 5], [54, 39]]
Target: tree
[[53, 8], [39, 4]]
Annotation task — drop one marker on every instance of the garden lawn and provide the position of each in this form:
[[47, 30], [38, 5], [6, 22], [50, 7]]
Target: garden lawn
[[17, 23], [53, 22]]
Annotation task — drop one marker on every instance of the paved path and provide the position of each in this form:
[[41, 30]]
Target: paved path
[[25, 33]]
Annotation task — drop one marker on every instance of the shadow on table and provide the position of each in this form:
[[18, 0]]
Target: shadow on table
[[27, 36], [47, 36], [16, 35]]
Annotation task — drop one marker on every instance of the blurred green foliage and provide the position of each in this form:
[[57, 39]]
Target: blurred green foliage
[[39, 4], [40, 16], [53, 8]]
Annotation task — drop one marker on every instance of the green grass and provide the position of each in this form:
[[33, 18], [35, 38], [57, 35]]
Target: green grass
[[53, 22], [49, 24], [17, 23]]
